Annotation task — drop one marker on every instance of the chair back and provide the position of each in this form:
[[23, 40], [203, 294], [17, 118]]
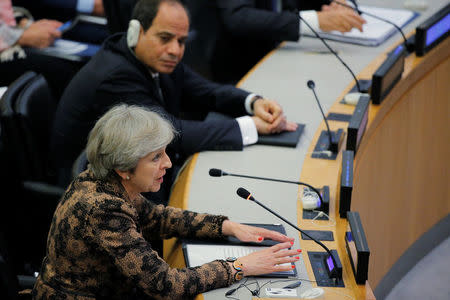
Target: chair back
[[80, 164], [13, 154], [35, 108]]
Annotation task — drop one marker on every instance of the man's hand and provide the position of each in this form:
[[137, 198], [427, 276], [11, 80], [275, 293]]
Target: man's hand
[[279, 125], [340, 18], [40, 34], [268, 110], [99, 9], [269, 118]]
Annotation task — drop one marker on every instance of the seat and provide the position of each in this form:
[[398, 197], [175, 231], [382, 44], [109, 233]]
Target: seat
[[10, 136], [11, 283], [80, 164], [35, 108], [27, 110]]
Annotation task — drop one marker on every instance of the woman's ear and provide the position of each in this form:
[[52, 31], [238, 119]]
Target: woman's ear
[[125, 175]]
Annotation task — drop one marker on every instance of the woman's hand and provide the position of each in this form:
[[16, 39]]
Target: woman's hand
[[270, 260], [246, 233]]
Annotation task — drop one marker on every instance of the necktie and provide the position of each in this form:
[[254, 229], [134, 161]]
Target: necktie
[[158, 87]]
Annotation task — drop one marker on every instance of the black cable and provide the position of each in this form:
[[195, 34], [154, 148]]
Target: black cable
[[257, 290], [334, 52]]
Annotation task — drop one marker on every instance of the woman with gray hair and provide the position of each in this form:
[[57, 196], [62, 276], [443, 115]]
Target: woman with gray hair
[[98, 244]]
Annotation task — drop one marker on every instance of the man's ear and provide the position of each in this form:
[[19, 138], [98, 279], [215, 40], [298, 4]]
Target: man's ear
[[134, 28]]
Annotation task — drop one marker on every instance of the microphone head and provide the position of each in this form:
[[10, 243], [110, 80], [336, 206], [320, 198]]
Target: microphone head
[[243, 193], [215, 172], [311, 84]]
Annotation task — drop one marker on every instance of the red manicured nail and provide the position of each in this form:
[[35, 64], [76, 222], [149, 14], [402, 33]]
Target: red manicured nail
[[293, 267], [297, 257], [292, 243], [299, 250], [260, 238]]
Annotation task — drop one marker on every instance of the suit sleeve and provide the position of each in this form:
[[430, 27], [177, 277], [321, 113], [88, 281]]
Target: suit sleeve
[[243, 19], [201, 94], [61, 4], [113, 229], [167, 222], [194, 136], [294, 5]]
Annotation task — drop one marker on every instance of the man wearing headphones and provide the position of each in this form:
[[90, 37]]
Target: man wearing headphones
[[143, 67]]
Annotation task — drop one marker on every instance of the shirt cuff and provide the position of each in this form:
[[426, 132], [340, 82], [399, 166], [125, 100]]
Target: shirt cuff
[[310, 16], [9, 36], [85, 6], [248, 130], [248, 102]]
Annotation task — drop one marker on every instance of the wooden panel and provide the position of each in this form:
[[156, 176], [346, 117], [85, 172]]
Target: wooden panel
[[401, 169], [405, 145]]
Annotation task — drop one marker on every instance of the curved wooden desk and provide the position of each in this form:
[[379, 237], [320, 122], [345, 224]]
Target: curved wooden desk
[[405, 145], [401, 183]]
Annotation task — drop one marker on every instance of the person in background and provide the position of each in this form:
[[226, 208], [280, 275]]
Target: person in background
[[17, 42], [231, 36], [99, 243], [62, 10], [142, 66]]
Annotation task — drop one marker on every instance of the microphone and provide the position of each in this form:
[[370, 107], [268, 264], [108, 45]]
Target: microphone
[[358, 86], [218, 173], [334, 145], [409, 47], [335, 270]]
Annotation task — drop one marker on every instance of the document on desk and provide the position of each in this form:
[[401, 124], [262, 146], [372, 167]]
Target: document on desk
[[67, 48], [197, 253], [375, 31]]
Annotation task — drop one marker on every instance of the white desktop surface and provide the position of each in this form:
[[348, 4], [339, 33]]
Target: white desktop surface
[[282, 76]]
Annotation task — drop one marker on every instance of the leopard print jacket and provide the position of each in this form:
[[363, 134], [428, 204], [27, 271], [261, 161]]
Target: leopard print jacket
[[98, 247]]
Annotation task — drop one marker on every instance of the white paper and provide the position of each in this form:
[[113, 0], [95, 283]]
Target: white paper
[[374, 31], [199, 254], [66, 47]]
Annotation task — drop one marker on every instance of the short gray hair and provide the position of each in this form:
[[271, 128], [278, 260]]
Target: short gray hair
[[122, 136]]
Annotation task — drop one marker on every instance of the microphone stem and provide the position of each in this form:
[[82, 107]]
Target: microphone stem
[[298, 229], [332, 51], [280, 180], [324, 118]]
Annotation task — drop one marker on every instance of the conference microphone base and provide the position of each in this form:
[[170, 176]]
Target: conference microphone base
[[321, 264], [323, 147], [364, 85]]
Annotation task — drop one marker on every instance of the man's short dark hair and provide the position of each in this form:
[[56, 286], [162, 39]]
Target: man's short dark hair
[[145, 11]]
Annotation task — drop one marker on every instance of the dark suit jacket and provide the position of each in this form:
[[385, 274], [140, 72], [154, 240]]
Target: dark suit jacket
[[118, 13], [245, 31], [61, 10], [114, 75]]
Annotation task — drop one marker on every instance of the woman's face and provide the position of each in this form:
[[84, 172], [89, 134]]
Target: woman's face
[[149, 172]]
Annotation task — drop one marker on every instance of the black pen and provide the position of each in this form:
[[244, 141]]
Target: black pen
[[293, 285]]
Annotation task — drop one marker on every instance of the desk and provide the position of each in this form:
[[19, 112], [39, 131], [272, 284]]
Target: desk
[[401, 125]]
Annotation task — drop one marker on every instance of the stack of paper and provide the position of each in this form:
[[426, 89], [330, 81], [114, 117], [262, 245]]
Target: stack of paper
[[374, 31], [197, 253]]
